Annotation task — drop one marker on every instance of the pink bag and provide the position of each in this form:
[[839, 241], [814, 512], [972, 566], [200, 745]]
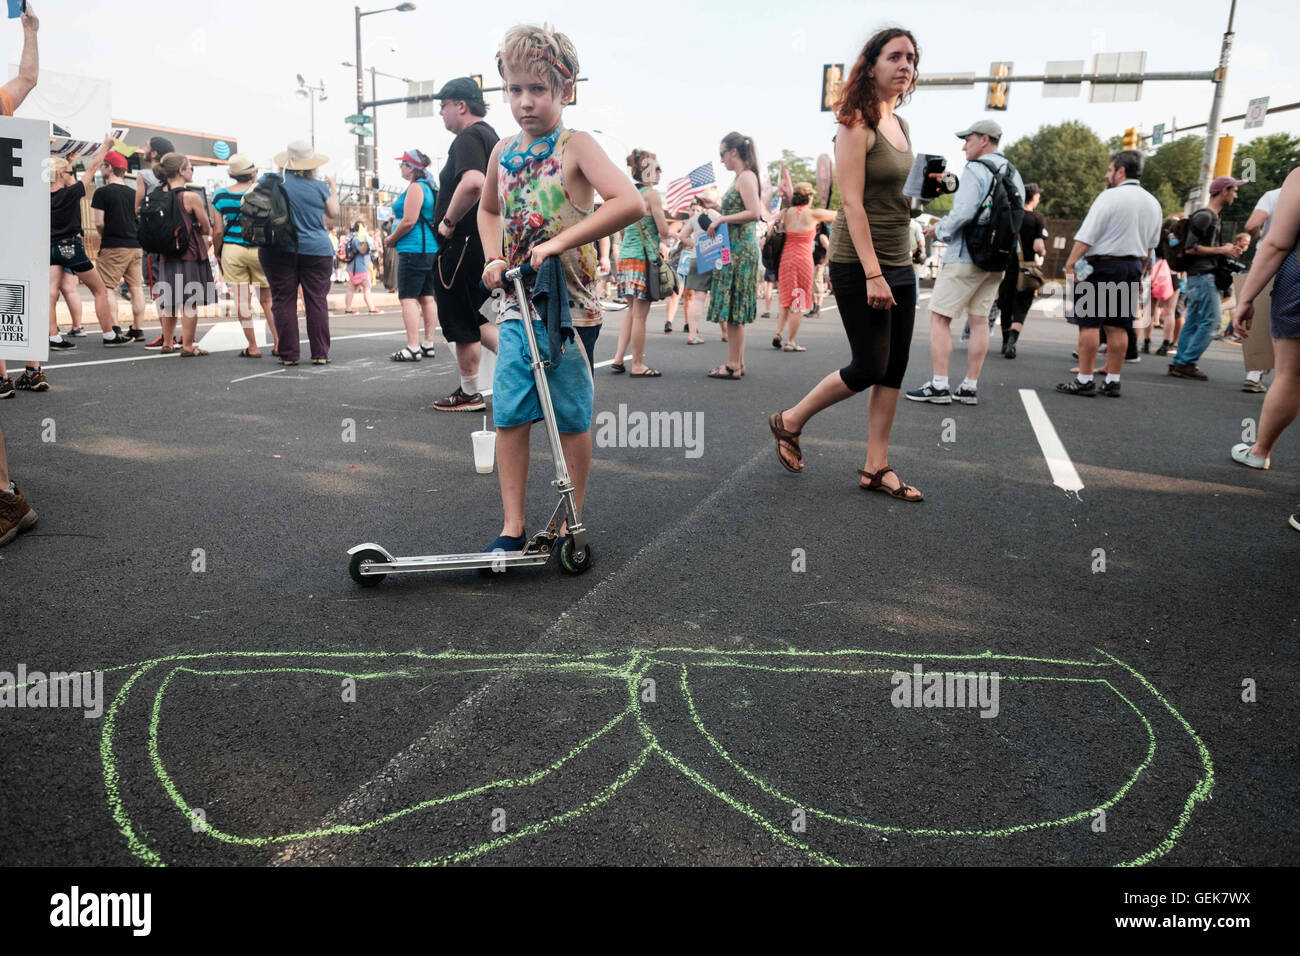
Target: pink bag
[[1162, 282]]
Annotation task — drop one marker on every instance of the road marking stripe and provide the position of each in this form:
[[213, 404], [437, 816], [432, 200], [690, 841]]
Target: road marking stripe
[[258, 375], [1064, 475], [157, 355]]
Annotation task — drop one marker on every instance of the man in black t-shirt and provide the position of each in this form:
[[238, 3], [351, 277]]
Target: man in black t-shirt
[[119, 249], [1012, 303], [1204, 310], [460, 261]]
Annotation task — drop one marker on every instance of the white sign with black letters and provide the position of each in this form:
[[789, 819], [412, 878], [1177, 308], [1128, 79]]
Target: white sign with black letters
[[24, 256]]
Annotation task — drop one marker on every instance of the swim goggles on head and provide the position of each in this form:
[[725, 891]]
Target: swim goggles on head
[[514, 158]]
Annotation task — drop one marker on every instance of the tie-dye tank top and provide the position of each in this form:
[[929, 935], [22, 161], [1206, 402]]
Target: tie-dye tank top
[[534, 207]]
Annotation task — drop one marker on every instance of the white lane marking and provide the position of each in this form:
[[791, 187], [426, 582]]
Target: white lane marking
[[1064, 475], [258, 375], [158, 355]]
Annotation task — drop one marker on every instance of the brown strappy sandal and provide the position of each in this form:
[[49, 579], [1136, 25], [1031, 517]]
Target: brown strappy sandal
[[787, 438], [876, 483]]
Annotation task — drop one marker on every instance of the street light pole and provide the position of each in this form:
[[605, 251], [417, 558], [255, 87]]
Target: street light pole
[[361, 96], [1212, 127]]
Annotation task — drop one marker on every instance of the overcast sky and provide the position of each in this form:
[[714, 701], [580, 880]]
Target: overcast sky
[[673, 80]]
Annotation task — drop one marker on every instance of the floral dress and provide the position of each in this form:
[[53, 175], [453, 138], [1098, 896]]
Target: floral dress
[[734, 293]]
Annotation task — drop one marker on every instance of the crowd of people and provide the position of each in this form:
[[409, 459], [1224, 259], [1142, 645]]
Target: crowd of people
[[550, 197]]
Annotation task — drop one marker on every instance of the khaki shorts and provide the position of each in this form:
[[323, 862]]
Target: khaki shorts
[[964, 288], [240, 266], [114, 265]]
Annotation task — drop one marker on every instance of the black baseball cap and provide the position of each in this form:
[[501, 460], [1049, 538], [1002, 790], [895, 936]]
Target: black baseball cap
[[461, 88], [161, 145]]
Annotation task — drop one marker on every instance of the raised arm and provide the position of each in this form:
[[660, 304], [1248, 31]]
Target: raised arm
[[92, 163], [29, 64]]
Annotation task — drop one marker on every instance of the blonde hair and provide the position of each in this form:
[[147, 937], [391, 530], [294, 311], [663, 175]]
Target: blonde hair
[[59, 166], [169, 167], [542, 53]]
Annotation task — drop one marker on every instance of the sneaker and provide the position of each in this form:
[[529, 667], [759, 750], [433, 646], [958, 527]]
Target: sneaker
[[1187, 371], [1135, 359], [458, 401], [76, 332], [118, 339], [966, 395], [33, 380], [1109, 389], [16, 515], [1164, 349], [136, 334], [7, 389], [928, 393], [1253, 385], [63, 346], [1086, 389]]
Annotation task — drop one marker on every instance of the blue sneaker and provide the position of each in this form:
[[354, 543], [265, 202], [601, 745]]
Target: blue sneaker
[[966, 395], [928, 393], [501, 544]]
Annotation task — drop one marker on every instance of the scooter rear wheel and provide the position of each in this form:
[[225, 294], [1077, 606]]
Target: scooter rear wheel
[[366, 557], [571, 564]]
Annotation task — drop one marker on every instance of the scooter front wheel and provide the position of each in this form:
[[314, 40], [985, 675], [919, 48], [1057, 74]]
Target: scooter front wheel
[[366, 557], [575, 564]]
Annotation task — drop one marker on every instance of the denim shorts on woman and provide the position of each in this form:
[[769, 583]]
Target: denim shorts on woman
[[70, 253], [415, 274], [514, 393]]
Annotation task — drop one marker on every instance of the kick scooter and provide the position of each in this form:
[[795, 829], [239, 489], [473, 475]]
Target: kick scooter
[[371, 563]]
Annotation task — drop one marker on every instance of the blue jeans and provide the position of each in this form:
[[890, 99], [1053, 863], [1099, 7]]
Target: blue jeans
[[1204, 315]]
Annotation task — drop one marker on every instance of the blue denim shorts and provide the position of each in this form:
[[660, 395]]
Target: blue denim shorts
[[514, 393]]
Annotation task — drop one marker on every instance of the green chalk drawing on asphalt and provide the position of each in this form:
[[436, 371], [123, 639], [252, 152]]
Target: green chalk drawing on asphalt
[[628, 667]]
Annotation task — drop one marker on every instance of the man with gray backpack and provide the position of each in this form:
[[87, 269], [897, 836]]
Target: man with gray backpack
[[981, 232]]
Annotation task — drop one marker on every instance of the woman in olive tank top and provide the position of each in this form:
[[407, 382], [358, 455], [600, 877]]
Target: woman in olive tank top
[[870, 262]]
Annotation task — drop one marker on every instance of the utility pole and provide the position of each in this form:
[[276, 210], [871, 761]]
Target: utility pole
[[1212, 128], [361, 96]]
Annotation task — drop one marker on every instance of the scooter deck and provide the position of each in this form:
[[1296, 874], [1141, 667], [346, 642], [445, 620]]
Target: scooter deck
[[455, 562]]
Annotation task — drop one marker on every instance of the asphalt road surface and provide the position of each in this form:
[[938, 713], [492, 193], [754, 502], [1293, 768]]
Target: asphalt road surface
[[717, 689]]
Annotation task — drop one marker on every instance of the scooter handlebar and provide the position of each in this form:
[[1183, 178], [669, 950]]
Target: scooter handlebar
[[525, 271]]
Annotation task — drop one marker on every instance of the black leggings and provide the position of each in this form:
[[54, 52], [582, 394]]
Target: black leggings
[[1014, 306], [879, 339]]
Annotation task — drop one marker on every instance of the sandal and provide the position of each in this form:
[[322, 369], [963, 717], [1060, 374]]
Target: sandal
[[776, 341], [247, 354], [406, 354], [787, 438], [375, 311], [648, 373], [695, 341], [791, 347], [167, 350], [349, 311], [285, 361], [320, 361], [904, 491], [192, 353], [726, 372], [618, 369]]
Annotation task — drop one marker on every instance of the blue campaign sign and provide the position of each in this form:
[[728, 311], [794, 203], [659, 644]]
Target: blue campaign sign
[[713, 252], [16, 8]]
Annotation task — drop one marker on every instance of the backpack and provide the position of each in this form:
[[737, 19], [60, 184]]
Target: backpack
[[1177, 242], [163, 230], [772, 249], [993, 236], [347, 251], [265, 217]]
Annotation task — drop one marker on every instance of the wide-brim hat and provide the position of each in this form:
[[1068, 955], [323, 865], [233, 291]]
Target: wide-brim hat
[[240, 165], [300, 155]]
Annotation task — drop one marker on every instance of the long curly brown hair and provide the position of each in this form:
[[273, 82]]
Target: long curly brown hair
[[859, 96]]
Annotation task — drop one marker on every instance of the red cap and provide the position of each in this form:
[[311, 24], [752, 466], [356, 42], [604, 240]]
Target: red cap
[[115, 159]]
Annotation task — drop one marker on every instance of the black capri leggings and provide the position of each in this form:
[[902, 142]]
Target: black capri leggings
[[880, 339]]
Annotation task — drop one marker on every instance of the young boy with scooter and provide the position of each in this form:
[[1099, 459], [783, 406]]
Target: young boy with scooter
[[537, 203]]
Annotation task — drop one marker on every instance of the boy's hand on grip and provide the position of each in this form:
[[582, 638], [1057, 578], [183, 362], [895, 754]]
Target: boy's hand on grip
[[493, 274]]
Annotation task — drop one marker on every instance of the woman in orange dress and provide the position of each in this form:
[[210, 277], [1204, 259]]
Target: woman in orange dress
[[796, 272]]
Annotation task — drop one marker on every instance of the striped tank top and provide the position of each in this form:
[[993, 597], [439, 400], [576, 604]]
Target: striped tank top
[[535, 206]]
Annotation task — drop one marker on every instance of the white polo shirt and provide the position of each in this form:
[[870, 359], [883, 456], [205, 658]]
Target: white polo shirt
[[1123, 221]]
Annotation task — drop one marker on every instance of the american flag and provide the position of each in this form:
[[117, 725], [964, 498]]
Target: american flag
[[682, 191]]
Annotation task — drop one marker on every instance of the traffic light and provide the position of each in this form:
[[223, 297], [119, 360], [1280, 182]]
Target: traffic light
[[1131, 138], [1223, 159], [997, 93]]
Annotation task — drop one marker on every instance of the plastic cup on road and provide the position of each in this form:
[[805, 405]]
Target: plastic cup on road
[[485, 448]]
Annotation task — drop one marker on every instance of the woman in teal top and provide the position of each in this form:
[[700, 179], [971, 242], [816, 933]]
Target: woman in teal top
[[734, 292], [416, 243], [635, 261]]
